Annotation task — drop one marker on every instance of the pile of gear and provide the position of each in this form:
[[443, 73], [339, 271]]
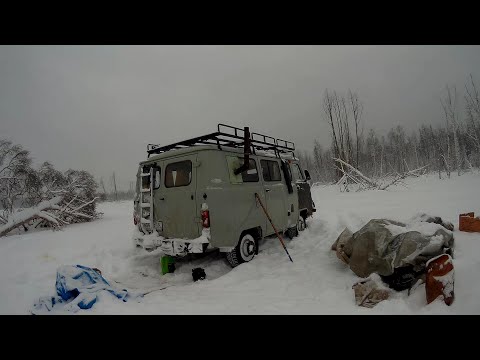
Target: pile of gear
[[403, 255]]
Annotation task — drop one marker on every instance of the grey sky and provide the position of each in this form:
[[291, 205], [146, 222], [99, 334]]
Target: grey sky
[[96, 107]]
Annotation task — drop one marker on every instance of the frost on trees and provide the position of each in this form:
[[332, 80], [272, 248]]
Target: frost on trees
[[41, 198]]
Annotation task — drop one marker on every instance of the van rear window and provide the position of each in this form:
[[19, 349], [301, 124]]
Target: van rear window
[[270, 170], [178, 174], [146, 179]]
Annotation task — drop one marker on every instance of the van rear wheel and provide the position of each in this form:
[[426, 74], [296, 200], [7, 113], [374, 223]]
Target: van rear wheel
[[292, 232], [243, 252]]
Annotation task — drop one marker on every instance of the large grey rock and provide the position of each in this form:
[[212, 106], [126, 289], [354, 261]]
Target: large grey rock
[[369, 245]]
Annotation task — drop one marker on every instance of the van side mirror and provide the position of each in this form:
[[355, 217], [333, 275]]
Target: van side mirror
[[307, 175]]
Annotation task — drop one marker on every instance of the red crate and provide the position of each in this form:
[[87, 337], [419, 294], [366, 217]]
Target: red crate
[[467, 222]]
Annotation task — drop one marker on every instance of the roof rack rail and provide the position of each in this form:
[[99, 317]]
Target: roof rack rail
[[229, 136]]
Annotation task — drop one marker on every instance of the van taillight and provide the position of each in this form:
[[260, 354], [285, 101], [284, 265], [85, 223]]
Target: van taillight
[[205, 218]]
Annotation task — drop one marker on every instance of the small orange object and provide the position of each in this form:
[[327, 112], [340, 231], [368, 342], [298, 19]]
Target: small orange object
[[467, 222], [439, 280]]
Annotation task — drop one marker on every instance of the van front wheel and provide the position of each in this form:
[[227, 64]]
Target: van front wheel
[[243, 252]]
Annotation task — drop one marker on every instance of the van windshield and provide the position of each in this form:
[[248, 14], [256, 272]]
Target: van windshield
[[297, 172]]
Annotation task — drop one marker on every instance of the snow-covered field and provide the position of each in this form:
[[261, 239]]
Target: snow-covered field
[[317, 282]]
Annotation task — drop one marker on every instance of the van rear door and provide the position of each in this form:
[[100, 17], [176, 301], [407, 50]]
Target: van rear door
[[176, 199]]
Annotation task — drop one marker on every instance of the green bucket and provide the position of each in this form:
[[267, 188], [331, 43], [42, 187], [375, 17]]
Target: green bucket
[[167, 264]]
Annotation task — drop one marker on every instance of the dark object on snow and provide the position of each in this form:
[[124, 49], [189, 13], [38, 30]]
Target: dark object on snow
[[440, 280], [402, 278], [198, 274]]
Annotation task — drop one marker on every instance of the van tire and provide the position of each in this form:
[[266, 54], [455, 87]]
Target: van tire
[[243, 252], [292, 232]]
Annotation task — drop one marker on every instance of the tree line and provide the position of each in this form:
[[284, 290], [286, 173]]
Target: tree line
[[451, 146]]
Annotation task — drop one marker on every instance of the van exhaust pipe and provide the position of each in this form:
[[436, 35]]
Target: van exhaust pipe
[[246, 151]]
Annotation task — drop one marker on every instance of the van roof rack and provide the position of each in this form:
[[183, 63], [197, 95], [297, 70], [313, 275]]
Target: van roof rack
[[229, 136]]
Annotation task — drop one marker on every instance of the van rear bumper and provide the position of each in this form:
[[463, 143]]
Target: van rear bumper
[[173, 247]]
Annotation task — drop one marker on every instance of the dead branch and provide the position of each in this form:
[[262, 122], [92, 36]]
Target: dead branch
[[22, 217]]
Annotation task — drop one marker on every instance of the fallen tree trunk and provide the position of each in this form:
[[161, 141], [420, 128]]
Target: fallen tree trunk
[[357, 172], [22, 217], [400, 177]]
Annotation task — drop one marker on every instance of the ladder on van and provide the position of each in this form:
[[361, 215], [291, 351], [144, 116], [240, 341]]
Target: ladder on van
[[146, 202]]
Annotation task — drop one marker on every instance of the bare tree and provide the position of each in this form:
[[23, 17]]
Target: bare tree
[[15, 173], [449, 105], [357, 110], [103, 186], [114, 186], [472, 121]]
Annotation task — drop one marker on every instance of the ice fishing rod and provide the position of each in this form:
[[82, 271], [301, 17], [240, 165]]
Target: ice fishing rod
[[274, 228]]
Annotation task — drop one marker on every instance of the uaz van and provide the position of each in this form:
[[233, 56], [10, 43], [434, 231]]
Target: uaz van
[[200, 194]]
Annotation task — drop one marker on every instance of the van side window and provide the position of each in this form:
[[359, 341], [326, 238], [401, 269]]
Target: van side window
[[251, 175], [297, 172], [270, 170], [178, 174]]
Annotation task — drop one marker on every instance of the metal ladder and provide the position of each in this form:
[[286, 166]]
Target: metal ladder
[[147, 204]]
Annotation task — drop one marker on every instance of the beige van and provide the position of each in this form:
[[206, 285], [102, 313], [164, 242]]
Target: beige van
[[199, 194]]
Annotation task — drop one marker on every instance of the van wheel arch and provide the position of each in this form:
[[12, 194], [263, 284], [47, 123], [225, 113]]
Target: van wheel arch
[[243, 251]]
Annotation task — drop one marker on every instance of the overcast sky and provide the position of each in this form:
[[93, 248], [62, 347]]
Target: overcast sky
[[97, 107]]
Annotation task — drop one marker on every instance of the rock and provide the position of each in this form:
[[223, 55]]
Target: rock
[[440, 279], [343, 245], [370, 292], [368, 246]]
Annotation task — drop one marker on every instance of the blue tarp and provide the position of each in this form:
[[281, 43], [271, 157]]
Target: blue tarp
[[78, 287]]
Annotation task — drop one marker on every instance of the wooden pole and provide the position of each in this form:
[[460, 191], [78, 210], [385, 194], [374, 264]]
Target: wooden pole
[[274, 228]]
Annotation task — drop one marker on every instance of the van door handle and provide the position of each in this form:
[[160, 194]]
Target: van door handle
[[162, 198], [267, 190]]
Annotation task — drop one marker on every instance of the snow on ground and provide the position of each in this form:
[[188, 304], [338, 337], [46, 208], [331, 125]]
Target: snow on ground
[[317, 282]]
